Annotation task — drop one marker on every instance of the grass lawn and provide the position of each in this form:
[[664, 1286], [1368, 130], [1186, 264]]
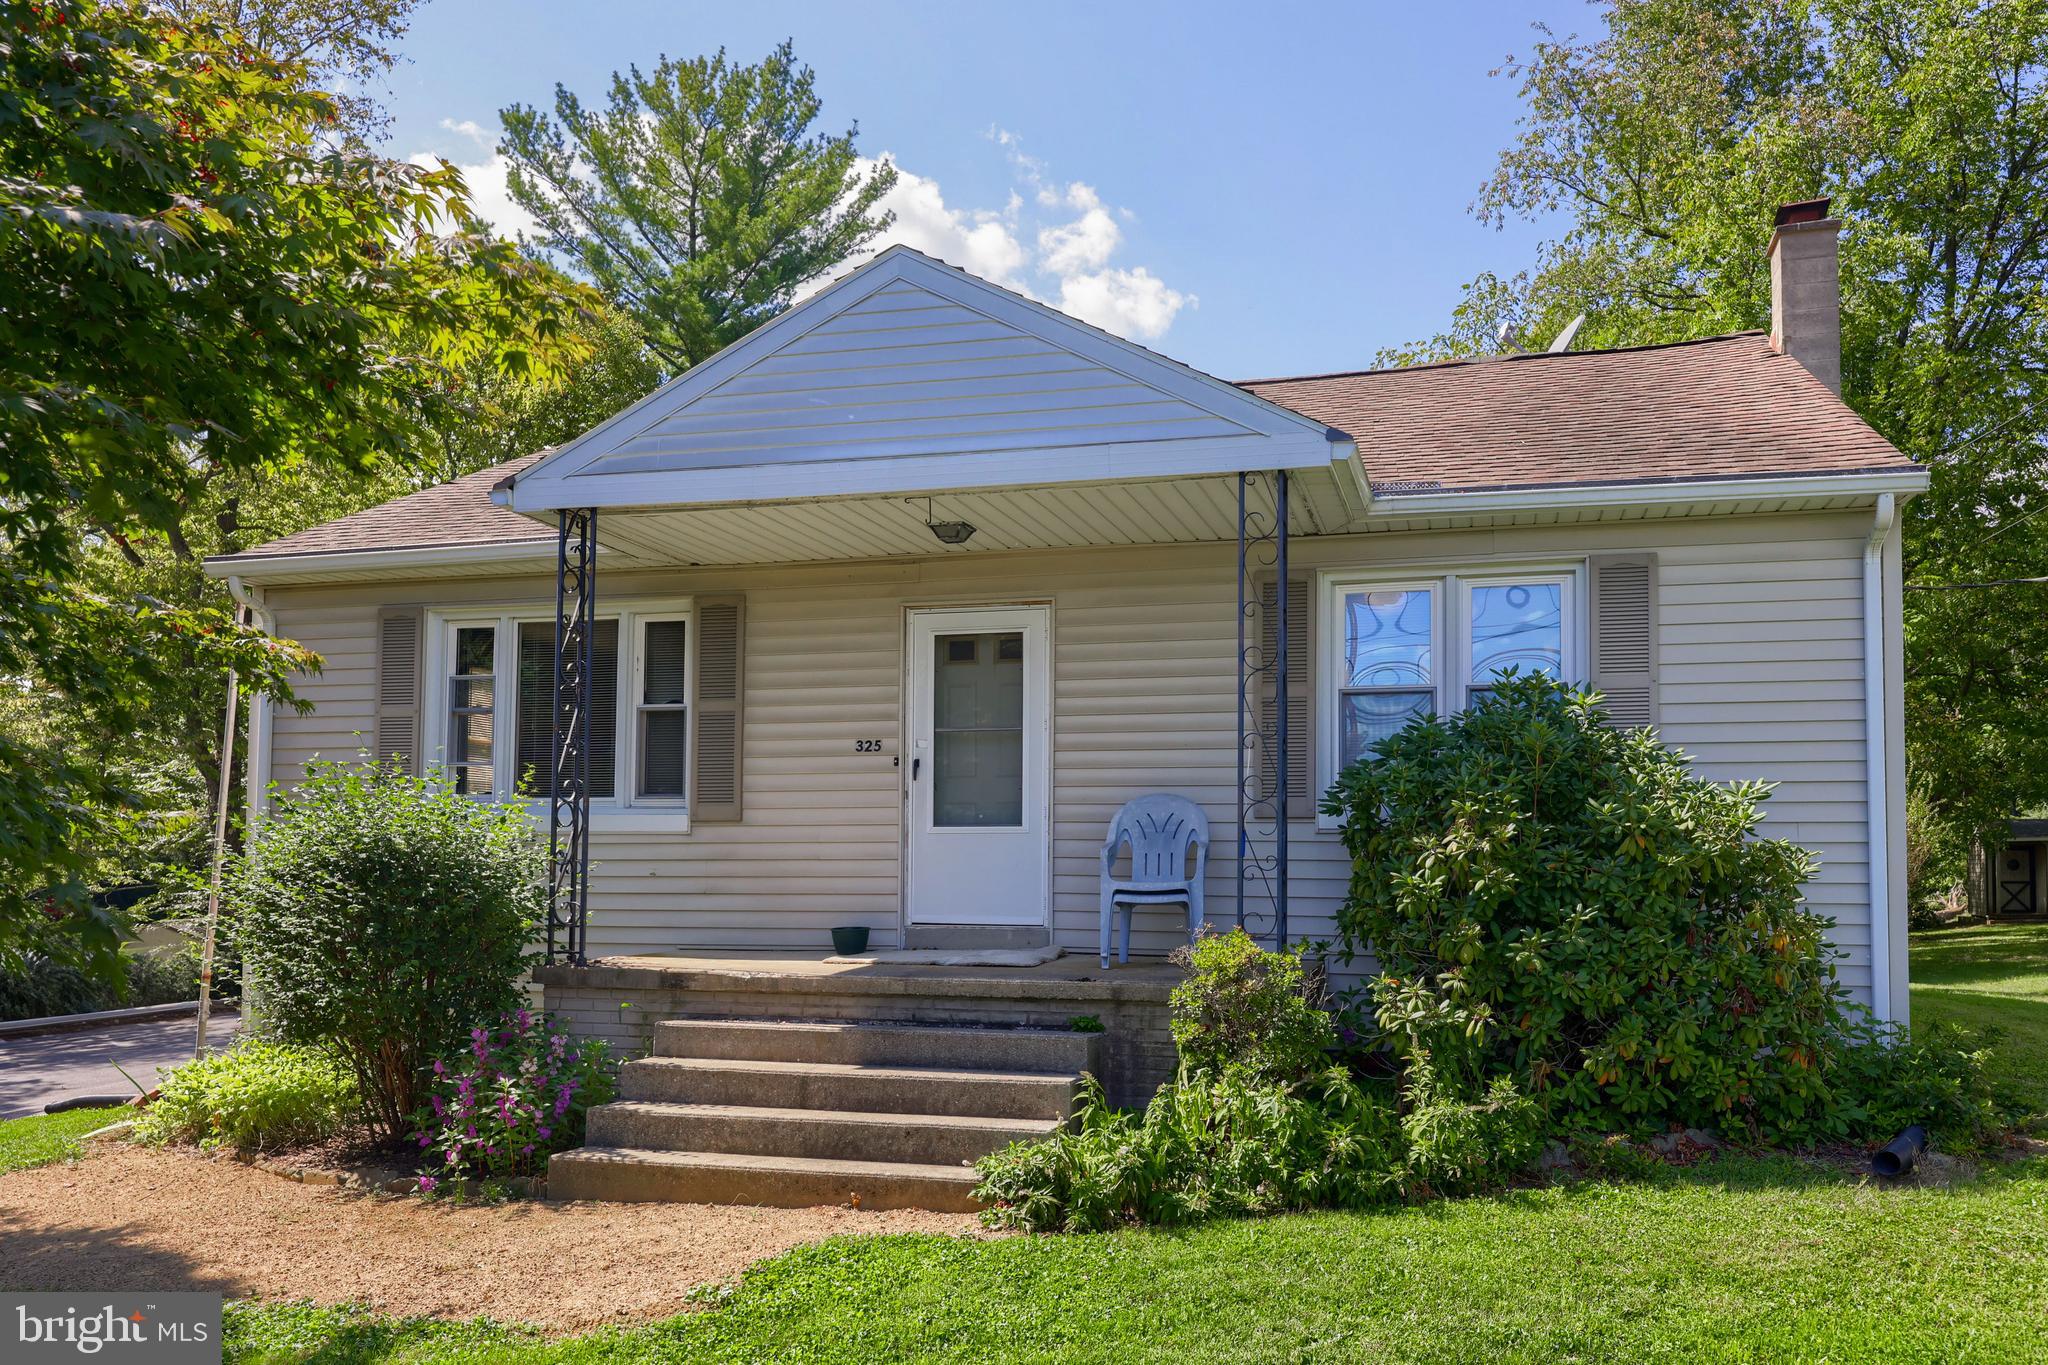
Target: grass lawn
[[1739, 1260], [1991, 976], [43, 1138]]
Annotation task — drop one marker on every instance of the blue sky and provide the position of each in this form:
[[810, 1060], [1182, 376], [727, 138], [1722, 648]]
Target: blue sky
[[1254, 189]]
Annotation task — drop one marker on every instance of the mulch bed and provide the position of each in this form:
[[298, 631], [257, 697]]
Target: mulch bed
[[137, 1218]]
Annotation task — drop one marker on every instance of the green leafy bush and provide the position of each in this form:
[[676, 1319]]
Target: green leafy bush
[[1458, 1146], [1244, 1008], [1563, 903], [1935, 1076], [515, 1095], [1209, 1145], [48, 986], [382, 917], [254, 1097]]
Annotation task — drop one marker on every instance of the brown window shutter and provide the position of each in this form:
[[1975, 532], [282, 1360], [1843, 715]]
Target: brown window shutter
[[1624, 636], [398, 687], [719, 725], [1301, 782]]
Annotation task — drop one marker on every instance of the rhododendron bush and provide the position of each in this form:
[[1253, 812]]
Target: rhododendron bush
[[518, 1093]]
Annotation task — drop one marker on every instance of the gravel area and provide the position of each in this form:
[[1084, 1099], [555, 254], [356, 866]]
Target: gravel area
[[138, 1218]]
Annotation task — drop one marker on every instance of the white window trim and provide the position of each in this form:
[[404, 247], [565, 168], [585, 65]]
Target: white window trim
[[621, 812], [1450, 611]]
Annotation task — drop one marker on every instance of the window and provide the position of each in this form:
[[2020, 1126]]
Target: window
[[661, 709], [639, 705], [1407, 647], [472, 690]]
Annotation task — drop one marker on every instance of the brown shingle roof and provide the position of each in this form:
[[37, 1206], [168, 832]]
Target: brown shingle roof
[[1727, 407], [459, 512]]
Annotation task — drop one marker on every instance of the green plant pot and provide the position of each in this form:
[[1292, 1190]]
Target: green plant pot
[[850, 940]]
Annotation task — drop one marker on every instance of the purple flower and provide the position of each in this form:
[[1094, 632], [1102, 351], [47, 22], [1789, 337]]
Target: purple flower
[[524, 1019], [440, 1108], [543, 1133], [426, 1141]]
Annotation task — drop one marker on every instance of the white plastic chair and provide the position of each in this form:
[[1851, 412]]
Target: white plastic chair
[[1159, 829]]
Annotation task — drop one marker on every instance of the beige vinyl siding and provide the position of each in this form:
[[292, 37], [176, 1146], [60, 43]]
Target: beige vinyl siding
[[1761, 676]]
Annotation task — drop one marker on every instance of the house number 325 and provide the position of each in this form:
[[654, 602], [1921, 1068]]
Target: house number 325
[[867, 746]]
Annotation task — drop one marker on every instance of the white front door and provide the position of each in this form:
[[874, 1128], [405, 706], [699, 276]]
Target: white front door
[[979, 780]]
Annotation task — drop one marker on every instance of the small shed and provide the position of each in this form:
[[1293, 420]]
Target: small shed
[[2011, 882]]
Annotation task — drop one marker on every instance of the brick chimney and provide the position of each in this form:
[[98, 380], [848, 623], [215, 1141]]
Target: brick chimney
[[1806, 289]]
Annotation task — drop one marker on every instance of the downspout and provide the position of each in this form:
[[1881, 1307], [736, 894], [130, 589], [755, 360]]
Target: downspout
[[1876, 760], [257, 778]]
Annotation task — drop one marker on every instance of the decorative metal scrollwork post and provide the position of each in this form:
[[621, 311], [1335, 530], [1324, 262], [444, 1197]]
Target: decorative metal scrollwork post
[[569, 751], [1262, 703]]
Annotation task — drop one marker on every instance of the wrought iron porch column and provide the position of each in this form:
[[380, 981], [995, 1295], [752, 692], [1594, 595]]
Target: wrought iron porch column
[[569, 749], [1262, 759]]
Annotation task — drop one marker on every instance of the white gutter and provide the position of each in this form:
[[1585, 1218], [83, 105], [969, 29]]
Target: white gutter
[[1907, 481], [1876, 759], [257, 779], [271, 568]]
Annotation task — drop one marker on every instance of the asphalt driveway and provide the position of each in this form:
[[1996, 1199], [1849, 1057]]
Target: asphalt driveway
[[37, 1070]]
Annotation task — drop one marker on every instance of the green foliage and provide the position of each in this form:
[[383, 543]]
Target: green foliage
[[1937, 1075], [46, 986], [700, 198], [1565, 904], [1209, 1145], [197, 285], [514, 1096], [254, 1097], [382, 917], [1662, 144], [1456, 1146], [1244, 1008]]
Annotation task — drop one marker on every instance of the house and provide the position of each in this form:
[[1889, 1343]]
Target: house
[[877, 616], [2009, 880]]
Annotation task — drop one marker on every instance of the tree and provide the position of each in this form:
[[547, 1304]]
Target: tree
[[700, 199], [1666, 142], [343, 45], [196, 287]]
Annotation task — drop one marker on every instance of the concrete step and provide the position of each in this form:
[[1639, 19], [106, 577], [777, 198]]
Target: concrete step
[[639, 1175], [926, 1139], [1057, 1051], [844, 1086]]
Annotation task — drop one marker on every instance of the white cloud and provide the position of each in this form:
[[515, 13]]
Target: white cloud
[[1058, 249], [470, 129], [983, 242], [1131, 303]]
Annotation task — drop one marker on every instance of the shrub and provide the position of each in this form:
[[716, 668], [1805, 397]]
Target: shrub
[[382, 917], [253, 1097], [1457, 1146], [48, 986], [1565, 904], [517, 1093], [1935, 1076], [1209, 1145], [1243, 1007]]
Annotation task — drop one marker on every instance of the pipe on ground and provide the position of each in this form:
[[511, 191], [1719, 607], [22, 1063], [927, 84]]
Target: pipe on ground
[[1899, 1155]]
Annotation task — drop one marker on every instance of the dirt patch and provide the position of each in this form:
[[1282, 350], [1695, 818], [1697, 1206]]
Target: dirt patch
[[129, 1218]]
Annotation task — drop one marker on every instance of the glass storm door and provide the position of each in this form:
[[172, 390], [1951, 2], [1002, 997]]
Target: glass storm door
[[978, 779]]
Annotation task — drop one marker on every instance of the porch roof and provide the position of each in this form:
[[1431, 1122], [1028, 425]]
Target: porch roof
[[910, 392]]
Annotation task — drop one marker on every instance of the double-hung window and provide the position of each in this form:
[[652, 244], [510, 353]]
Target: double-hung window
[[1402, 646], [493, 732]]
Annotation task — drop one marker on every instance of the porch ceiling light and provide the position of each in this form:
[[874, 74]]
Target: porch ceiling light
[[947, 532]]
